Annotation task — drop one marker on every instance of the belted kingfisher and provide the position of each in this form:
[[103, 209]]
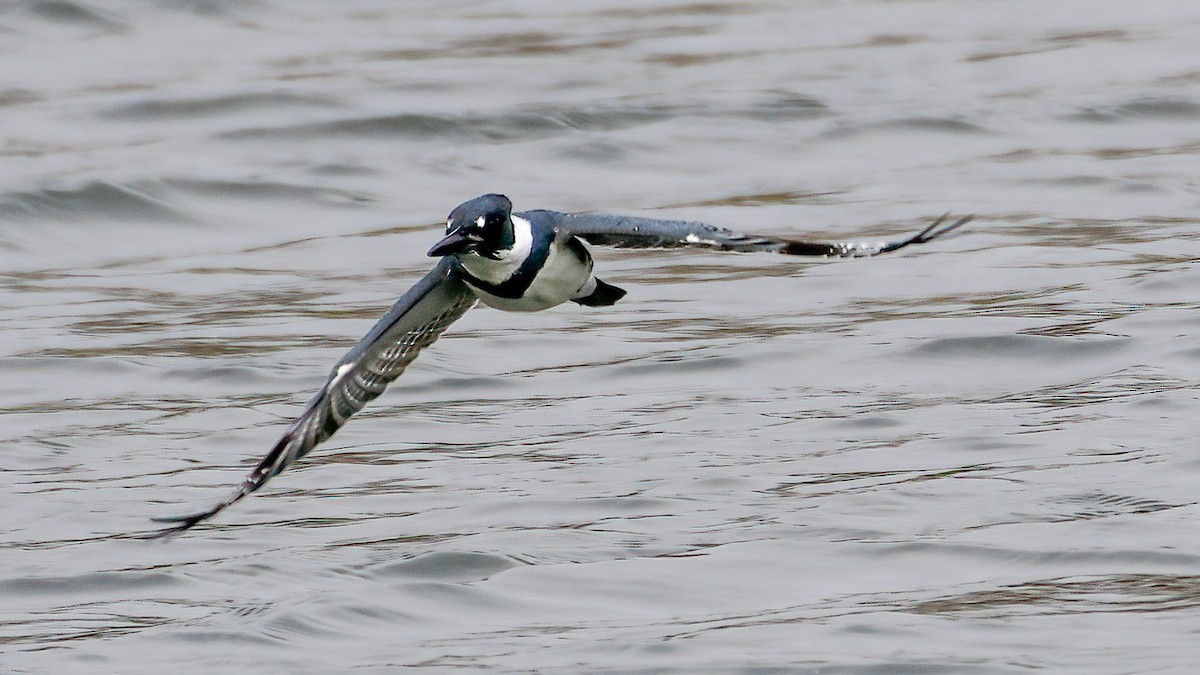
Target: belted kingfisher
[[519, 262]]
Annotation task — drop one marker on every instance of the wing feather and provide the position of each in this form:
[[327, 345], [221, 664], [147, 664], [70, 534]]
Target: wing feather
[[413, 323], [635, 232]]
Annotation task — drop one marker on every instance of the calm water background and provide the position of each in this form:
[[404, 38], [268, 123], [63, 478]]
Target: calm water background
[[979, 455]]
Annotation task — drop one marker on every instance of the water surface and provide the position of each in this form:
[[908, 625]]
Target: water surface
[[976, 455]]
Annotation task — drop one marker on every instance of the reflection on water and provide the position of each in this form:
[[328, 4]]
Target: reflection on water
[[1118, 593], [975, 456]]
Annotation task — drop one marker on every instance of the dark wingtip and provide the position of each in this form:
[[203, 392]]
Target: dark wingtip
[[930, 233], [179, 524], [261, 473]]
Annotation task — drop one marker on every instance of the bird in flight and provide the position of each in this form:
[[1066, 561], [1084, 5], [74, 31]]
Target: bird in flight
[[518, 262]]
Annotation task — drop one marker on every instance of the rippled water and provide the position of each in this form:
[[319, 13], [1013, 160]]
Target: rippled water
[[978, 455]]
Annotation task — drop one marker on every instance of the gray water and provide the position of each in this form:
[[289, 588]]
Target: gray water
[[977, 455]]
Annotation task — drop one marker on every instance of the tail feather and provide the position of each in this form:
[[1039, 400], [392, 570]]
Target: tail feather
[[603, 296]]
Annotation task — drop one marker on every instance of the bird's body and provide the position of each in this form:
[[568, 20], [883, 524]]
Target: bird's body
[[518, 262], [541, 270]]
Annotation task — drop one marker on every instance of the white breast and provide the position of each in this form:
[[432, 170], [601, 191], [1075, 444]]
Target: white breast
[[560, 280]]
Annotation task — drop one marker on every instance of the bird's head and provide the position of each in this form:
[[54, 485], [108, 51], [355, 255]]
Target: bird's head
[[482, 225]]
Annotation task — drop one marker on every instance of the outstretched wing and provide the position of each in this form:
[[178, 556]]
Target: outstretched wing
[[413, 323], [634, 232]]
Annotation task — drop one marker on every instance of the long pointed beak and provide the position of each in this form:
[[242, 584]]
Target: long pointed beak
[[455, 242]]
